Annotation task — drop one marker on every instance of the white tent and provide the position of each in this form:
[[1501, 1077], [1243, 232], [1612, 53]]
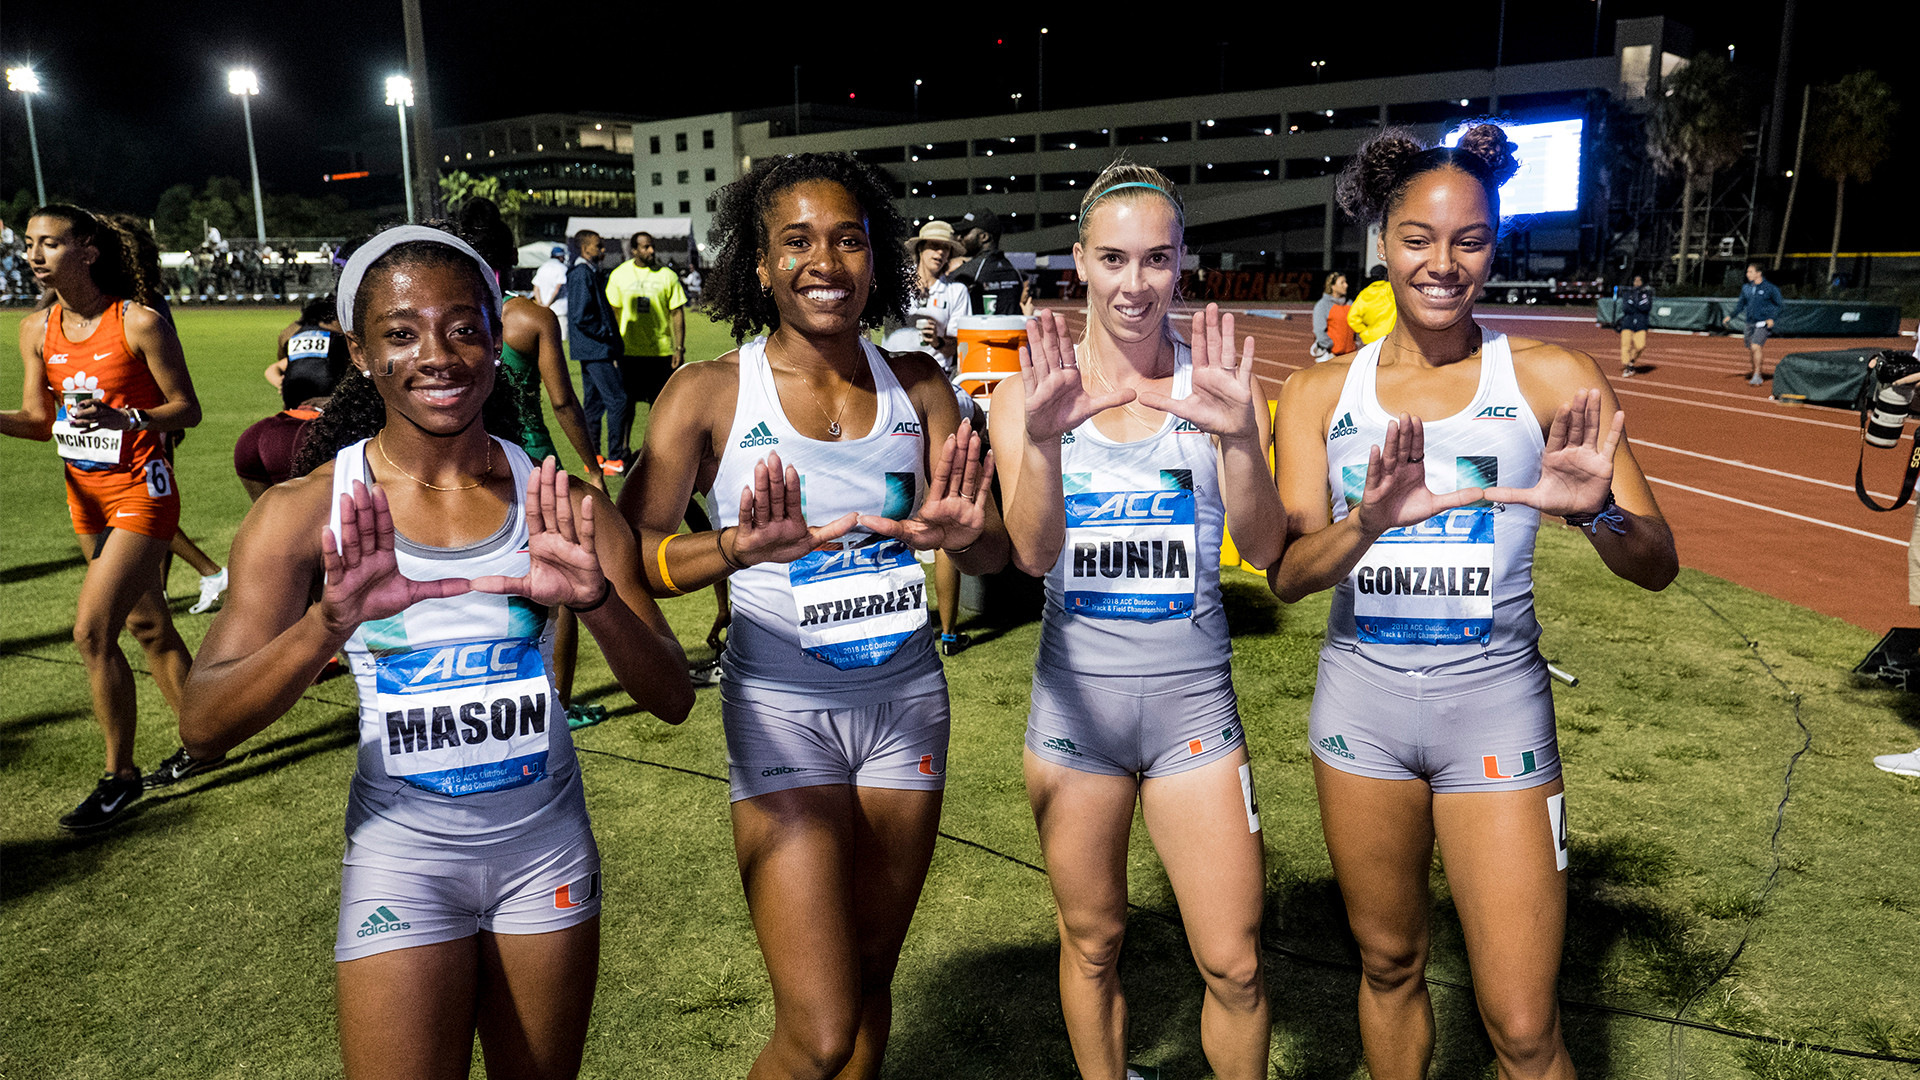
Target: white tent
[[535, 254], [617, 229]]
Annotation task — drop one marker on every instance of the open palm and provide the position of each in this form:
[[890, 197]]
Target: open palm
[[363, 578], [1576, 467], [773, 526], [563, 567], [1220, 400], [955, 510], [1056, 399], [1396, 492]]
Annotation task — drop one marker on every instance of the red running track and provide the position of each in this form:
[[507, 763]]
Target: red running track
[[1757, 492]]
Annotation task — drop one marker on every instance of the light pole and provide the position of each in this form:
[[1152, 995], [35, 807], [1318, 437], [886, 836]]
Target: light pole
[[244, 82], [400, 95], [916, 101], [1016, 101], [23, 81], [1040, 74], [1318, 66]]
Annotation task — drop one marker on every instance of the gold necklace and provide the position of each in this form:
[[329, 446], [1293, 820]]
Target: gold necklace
[[380, 444], [833, 419]]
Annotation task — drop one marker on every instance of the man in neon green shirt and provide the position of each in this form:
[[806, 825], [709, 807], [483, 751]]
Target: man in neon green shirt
[[650, 305]]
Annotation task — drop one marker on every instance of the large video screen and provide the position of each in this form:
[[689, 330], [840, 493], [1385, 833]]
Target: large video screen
[[1549, 176]]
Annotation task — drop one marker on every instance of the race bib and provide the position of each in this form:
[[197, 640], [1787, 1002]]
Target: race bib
[[1430, 583], [1130, 554], [309, 344], [101, 446], [461, 719], [855, 606]]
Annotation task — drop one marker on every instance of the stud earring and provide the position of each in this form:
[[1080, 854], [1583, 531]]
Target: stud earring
[[365, 374]]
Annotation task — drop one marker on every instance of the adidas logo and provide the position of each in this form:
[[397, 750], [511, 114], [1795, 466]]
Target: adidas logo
[[1337, 746], [779, 770], [1344, 427], [1068, 439], [1062, 746], [382, 921], [761, 435]]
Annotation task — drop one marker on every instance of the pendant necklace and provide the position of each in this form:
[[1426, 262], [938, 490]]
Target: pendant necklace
[[832, 419]]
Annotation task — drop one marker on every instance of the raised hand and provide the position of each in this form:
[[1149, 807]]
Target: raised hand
[[955, 509], [1221, 401], [363, 580], [772, 527], [1576, 468], [1396, 493], [563, 567], [1056, 399]]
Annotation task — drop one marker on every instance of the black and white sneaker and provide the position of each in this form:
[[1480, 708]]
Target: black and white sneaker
[[177, 768], [110, 798]]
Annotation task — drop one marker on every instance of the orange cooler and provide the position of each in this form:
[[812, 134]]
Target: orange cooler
[[989, 350]]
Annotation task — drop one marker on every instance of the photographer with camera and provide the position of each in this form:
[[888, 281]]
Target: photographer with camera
[[1895, 378]]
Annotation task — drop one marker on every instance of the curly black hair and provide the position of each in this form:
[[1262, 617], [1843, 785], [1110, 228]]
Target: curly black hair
[[1376, 177], [740, 233], [356, 410]]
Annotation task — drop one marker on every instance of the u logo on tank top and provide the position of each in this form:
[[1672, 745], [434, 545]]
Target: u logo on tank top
[[461, 719]]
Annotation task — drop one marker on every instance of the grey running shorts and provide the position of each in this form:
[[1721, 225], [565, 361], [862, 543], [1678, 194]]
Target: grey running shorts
[[889, 744], [388, 903], [1482, 732], [1149, 725], [1757, 333]]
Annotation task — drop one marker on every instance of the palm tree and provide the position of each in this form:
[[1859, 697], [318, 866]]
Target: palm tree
[[1855, 135], [1697, 129]]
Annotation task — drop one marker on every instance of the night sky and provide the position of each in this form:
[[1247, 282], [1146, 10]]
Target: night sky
[[135, 104]]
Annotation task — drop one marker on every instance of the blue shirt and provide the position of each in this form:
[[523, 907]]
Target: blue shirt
[[1760, 302], [592, 332]]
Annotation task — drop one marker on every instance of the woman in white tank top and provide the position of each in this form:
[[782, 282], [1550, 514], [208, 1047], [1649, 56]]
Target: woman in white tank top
[[825, 461], [1120, 460], [438, 549], [1413, 474]]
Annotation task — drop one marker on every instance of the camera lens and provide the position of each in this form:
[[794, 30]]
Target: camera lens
[[1889, 416]]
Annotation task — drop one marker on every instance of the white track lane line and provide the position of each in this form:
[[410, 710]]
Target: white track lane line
[[1757, 468], [1782, 513], [1731, 409]]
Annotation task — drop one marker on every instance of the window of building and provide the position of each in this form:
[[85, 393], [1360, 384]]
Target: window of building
[[706, 139], [1230, 172], [680, 141], [1066, 181], [1437, 112], [1153, 134], [595, 137], [709, 176], [936, 188], [653, 144], [1000, 185], [686, 206], [680, 177], [656, 179], [937, 151], [1307, 168], [881, 155], [1005, 144], [1073, 140], [659, 208], [1240, 127]]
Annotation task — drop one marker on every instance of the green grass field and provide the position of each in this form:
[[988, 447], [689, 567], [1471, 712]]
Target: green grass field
[[194, 939]]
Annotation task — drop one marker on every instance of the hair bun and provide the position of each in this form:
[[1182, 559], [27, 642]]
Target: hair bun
[[1370, 177], [1488, 142]]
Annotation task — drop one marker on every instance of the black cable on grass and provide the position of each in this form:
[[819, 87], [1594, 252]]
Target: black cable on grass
[[1676, 1021], [1344, 966], [1676, 1035]]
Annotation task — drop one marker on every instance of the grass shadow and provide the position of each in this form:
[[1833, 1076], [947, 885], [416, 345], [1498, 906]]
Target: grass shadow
[[29, 571]]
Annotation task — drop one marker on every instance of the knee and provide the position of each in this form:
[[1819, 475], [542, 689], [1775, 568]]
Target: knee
[[95, 638], [1093, 948], [149, 630], [1235, 979], [1390, 967], [1526, 1037], [819, 1045]]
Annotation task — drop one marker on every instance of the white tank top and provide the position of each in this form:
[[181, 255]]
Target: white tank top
[[1456, 590], [846, 624], [1136, 589], [463, 741]]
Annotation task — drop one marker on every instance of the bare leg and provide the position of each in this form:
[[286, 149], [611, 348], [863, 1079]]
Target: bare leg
[[184, 547], [1380, 835], [151, 623], [410, 1012], [1499, 850], [126, 568], [1084, 819], [535, 997], [1201, 826], [832, 874], [1754, 352], [566, 652], [946, 586]]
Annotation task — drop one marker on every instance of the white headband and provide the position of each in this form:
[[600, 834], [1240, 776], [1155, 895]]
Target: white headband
[[370, 251]]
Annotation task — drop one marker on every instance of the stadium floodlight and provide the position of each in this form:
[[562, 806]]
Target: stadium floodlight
[[26, 82], [243, 82], [400, 95]]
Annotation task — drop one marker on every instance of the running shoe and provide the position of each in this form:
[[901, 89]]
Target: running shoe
[[579, 716], [704, 672], [1754, 379], [612, 466], [954, 644], [177, 768], [1626, 373], [1899, 764], [1142, 1072], [211, 587], [110, 799]]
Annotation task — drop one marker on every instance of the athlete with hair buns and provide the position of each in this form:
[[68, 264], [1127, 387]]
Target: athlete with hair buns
[[1122, 459], [471, 896], [106, 381], [1414, 474], [834, 701]]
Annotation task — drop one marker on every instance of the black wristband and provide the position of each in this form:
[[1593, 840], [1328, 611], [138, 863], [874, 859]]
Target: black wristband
[[720, 541], [1586, 520], [606, 590]]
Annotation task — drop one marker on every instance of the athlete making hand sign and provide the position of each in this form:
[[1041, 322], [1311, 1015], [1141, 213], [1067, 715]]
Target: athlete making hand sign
[[1124, 457], [471, 894], [826, 460], [1414, 474]]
